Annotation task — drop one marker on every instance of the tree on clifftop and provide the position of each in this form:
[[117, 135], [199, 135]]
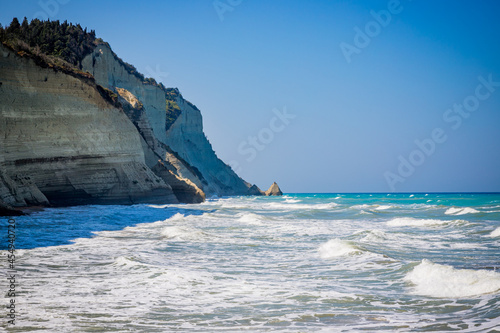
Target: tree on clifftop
[[66, 41]]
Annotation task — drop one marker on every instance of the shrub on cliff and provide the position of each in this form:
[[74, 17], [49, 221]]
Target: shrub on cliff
[[64, 40]]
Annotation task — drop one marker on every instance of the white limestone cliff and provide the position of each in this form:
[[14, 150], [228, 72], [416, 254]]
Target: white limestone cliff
[[191, 155], [62, 143]]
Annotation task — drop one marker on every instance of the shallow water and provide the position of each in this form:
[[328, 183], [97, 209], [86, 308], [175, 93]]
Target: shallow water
[[301, 262]]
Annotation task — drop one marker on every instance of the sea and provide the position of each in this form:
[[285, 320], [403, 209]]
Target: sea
[[411, 262]]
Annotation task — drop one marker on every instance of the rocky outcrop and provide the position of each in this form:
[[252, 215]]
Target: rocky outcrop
[[62, 143], [274, 190], [177, 140], [255, 190], [158, 156], [6, 210]]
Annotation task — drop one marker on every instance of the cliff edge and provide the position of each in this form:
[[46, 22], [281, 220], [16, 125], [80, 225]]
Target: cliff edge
[[84, 127], [173, 122]]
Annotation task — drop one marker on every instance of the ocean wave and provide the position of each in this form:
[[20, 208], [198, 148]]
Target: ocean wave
[[158, 206], [297, 206], [374, 236], [413, 222], [460, 211], [443, 281], [495, 233], [337, 248], [365, 207], [384, 207], [129, 262], [251, 218], [176, 217], [183, 233]]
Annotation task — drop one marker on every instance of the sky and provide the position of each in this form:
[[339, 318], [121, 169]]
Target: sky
[[321, 96]]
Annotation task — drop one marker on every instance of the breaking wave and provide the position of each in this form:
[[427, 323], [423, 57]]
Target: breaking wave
[[443, 281]]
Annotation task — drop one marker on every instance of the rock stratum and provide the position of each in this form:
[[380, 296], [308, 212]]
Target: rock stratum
[[101, 137]]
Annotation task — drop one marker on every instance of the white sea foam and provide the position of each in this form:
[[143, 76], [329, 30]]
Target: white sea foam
[[413, 222], [292, 200], [372, 207], [363, 206], [460, 211], [176, 217], [495, 233], [443, 281], [374, 236], [329, 205], [251, 218], [127, 262], [158, 206], [297, 206], [383, 207], [183, 233], [337, 248]]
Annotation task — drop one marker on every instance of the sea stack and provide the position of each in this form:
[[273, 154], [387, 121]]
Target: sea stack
[[274, 190]]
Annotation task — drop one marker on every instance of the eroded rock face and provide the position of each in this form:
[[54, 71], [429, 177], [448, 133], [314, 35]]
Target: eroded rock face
[[158, 156], [6, 210], [183, 148], [62, 143], [274, 190], [110, 73]]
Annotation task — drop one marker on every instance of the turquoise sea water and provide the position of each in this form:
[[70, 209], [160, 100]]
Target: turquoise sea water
[[297, 263]]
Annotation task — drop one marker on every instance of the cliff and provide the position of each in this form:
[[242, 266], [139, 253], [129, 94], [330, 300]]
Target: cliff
[[178, 138], [83, 127], [63, 143]]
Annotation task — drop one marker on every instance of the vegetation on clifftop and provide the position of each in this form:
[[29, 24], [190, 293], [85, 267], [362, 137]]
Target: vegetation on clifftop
[[50, 40], [63, 46]]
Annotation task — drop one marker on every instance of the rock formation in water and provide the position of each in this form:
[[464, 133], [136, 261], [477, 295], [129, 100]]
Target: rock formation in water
[[274, 190], [100, 134]]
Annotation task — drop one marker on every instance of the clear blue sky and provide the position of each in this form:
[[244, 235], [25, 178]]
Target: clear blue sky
[[354, 121]]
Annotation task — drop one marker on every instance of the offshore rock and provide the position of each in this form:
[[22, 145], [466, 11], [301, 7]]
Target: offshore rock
[[255, 190], [274, 190]]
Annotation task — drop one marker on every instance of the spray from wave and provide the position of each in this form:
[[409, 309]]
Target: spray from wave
[[337, 248], [461, 211], [443, 281]]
